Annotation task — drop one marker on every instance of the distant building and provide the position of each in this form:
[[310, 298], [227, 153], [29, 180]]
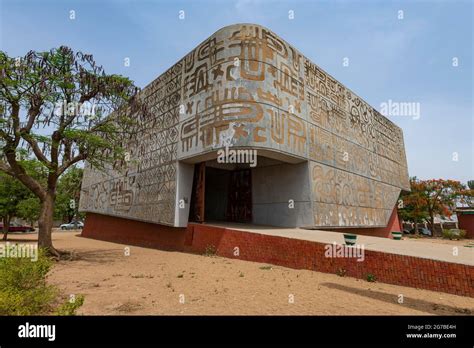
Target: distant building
[[325, 158], [466, 220]]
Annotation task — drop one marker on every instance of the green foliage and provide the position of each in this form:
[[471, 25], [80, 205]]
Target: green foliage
[[67, 195], [16, 200], [87, 112], [266, 268], [454, 233], [29, 209], [470, 184], [11, 193], [60, 107], [24, 290], [210, 250], [371, 278], [70, 307]]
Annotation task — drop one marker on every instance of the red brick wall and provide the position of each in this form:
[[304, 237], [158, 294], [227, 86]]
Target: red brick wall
[[132, 232], [300, 254]]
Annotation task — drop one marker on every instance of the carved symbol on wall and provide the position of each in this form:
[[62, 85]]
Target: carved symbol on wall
[[256, 135], [289, 83], [277, 126], [218, 111], [289, 128], [256, 47]]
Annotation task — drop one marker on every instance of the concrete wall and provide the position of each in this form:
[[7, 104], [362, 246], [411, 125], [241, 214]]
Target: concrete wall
[[183, 193], [272, 189], [246, 87]]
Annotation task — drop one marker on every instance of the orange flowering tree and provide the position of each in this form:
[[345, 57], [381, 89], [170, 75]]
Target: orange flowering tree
[[428, 198], [466, 196]]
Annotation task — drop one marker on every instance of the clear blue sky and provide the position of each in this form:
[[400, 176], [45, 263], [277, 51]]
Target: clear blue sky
[[408, 60]]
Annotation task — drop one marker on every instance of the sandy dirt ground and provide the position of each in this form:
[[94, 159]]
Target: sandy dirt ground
[[438, 240], [150, 281]]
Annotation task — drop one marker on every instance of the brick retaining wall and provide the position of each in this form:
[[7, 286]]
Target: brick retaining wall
[[293, 253]]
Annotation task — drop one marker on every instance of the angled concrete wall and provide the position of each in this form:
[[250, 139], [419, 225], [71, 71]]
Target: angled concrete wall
[[281, 195]]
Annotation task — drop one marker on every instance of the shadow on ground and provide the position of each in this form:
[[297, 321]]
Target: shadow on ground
[[420, 305], [20, 240], [100, 256]]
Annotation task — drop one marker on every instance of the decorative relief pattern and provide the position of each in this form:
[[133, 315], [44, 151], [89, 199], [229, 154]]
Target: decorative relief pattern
[[144, 188], [246, 78]]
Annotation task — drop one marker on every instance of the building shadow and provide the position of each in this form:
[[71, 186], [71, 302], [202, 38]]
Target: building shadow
[[416, 304]]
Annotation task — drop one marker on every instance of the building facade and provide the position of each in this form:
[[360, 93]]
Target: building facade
[[325, 158]]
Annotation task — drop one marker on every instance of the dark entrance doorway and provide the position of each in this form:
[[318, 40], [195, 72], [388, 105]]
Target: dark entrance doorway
[[217, 192], [221, 194], [196, 211], [239, 205]]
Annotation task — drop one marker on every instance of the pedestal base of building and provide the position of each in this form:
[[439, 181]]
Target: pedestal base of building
[[436, 275]]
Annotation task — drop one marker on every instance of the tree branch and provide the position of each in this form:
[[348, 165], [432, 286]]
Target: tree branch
[[20, 173], [33, 112], [36, 150], [6, 169], [74, 160]]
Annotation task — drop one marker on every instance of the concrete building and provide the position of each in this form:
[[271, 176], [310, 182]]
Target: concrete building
[[325, 158]]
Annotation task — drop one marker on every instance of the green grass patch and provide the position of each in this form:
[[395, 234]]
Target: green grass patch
[[454, 233], [266, 268]]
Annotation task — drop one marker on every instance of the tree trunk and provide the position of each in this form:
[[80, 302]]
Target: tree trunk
[[431, 222], [45, 224], [6, 227], [432, 226]]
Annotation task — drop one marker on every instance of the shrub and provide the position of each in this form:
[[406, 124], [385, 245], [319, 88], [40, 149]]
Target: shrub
[[23, 286], [266, 268], [70, 307], [371, 278], [454, 233], [210, 251]]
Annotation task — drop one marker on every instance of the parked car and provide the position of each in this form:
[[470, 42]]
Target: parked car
[[421, 230], [14, 227], [75, 225], [425, 231]]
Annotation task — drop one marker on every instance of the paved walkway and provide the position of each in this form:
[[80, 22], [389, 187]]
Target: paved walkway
[[427, 250]]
